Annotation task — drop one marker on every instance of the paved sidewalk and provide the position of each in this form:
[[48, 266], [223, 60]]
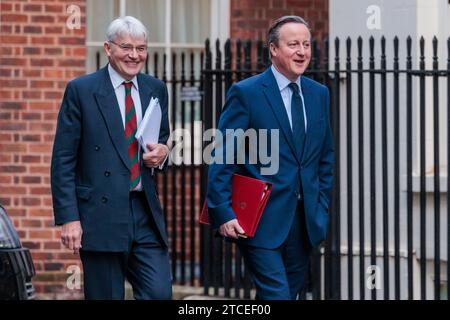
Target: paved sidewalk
[[189, 293]]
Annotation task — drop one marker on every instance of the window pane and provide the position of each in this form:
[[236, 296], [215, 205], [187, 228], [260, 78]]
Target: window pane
[[152, 14], [190, 20], [94, 53], [99, 14]]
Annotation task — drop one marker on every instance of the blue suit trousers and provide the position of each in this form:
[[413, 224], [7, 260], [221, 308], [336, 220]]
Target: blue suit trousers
[[145, 265], [279, 274]]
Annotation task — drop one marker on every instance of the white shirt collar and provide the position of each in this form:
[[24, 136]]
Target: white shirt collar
[[281, 79], [117, 79]]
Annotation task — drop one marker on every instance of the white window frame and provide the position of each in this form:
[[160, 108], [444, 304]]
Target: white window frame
[[219, 22]]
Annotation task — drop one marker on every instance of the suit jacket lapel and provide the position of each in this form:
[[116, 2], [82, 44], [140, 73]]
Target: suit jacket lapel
[[310, 112], [109, 108], [145, 93], [273, 96]]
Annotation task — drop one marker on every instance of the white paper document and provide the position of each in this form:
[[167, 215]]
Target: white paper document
[[148, 131]]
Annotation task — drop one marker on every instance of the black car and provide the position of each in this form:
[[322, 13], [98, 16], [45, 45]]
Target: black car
[[16, 265]]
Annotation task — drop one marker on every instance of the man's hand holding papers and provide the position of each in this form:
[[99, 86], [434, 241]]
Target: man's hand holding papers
[[147, 134], [156, 155]]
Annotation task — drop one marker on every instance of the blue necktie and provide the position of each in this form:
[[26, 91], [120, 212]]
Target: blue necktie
[[298, 120]]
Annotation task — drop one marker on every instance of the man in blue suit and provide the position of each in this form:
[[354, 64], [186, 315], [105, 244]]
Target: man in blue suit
[[104, 189], [296, 216]]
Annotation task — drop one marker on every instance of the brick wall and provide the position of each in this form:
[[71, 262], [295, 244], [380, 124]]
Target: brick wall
[[39, 54], [250, 19]]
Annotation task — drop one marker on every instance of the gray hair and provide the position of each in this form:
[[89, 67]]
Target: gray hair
[[126, 26], [273, 35]]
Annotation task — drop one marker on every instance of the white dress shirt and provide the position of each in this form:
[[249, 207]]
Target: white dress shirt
[[286, 93], [119, 89]]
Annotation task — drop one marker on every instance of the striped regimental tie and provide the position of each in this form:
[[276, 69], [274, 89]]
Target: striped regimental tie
[[130, 131]]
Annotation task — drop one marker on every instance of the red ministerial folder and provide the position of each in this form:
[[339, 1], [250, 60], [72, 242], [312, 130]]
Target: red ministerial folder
[[248, 200]]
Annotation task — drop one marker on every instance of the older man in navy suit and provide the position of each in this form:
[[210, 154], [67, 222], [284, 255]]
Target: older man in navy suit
[[104, 191], [296, 216]]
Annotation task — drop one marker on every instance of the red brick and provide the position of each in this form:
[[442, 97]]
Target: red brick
[[4, 51], [13, 83], [13, 39], [32, 29], [41, 84], [51, 73], [54, 8], [5, 95], [40, 190], [5, 157], [31, 138], [35, 212], [50, 116], [13, 126], [40, 105], [29, 201], [43, 40], [31, 223], [5, 201], [12, 105], [33, 245], [31, 73], [53, 266], [52, 245], [31, 116], [5, 29], [13, 18], [31, 50], [66, 256], [44, 19], [79, 51], [53, 51], [5, 72], [40, 234], [13, 212], [71, 40], [33, 7], [42, 127], [12, 148], [5, 137], [53, 95], [5, 7], [31, 179], [31, 94], [53, 30], [46, 148], [41, 62], [30, 159], [49, 223], [72, 63]]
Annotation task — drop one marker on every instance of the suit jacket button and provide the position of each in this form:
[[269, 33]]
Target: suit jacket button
[[107, 173], [97, 148], [104, 199]]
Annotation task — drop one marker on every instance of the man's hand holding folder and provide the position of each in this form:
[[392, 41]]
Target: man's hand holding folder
[[148, 135], [248, 200], [232, 229]]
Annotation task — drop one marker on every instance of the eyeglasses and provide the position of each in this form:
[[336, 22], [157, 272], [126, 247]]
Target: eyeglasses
[[128, 48]]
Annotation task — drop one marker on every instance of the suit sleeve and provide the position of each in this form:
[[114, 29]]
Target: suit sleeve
[[327, 158], [235, 115], [64, 158]]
